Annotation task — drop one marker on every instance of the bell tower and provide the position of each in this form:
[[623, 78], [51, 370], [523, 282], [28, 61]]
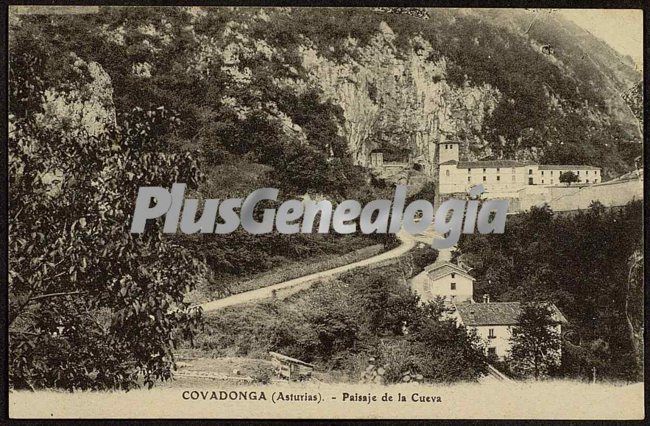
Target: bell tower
[[448, 151]]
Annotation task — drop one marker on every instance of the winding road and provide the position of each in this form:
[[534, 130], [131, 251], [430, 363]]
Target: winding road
[[407, 242]]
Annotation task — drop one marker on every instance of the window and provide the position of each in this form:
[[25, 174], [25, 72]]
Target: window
[[587, 172], [469, 170], [542, 181], [498, 177], [483, 170], [542, 172], [453, 286], [578, 172], [492, 351], [484, 178], [498, 169], [453, 275], [446, 172], [491, 333], [530, 171], [595, 180], [587, 181], [469, 179], [551, 172]]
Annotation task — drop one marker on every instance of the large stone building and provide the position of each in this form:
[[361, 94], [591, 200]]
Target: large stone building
[[502, 178]]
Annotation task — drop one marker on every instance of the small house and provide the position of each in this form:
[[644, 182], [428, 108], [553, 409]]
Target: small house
[[493, 322], [451, 282]]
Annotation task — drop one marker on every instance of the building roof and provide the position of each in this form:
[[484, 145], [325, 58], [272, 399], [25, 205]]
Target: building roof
[[566, 166], [489, 164], [441, 269], [497, 313]]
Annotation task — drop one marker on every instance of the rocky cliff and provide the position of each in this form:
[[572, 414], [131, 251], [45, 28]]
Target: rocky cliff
[[311, 92]]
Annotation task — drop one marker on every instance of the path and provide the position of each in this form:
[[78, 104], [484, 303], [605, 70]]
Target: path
[[407, 243]]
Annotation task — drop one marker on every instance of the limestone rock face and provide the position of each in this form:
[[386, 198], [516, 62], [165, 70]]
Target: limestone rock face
[[392, 94], [87, 104], [400, 97]]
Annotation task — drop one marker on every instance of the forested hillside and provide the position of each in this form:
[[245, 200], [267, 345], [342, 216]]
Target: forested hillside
[[229, 100], [310, 92], [589, 265]]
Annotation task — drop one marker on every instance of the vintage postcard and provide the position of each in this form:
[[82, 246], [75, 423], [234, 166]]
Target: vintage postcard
[[334, 213]]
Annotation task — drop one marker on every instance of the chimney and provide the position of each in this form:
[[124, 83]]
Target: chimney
[[486, 298]]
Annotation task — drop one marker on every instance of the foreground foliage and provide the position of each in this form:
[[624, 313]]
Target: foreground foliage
[[588, 264], [342, 324], [535, 342], [90, 305]]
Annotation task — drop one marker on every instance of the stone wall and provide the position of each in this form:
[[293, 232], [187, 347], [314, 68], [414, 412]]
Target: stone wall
[[579, 197]]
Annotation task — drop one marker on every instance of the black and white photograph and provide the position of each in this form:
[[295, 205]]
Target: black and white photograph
[[237, 212]]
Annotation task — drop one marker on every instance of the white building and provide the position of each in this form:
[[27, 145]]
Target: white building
[[492, 321], [445, 280], [502, 178]]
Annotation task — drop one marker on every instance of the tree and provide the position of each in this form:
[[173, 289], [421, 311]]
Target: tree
[[385, 305], [91, 305], [569, 177], [582, 263], [633, 312], [446, 352], [535, 343]]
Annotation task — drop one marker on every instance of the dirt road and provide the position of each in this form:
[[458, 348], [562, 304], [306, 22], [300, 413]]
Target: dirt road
[[407, 241]]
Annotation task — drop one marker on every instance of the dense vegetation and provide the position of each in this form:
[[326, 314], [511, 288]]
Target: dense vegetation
[[234, 155], [588, 264], [237, 80], [341, 324], [90, 305], [221, 99]]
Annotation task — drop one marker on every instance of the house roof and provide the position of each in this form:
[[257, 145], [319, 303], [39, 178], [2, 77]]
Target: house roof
[[497, 313], [566, 166], [490, 164], [440, 269]]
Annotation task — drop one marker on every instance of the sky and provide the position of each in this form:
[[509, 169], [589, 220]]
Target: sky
[[622, 29]]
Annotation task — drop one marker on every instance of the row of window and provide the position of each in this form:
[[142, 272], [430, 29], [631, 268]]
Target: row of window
[[469, 170], [530, 172], [562, 171], [586, 181], [469, 178]]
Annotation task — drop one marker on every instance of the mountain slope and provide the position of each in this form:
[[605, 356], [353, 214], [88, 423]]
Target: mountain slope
[[310, 92]]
